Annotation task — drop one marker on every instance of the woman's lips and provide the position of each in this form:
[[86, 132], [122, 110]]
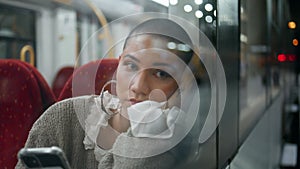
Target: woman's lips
[[134, 101]]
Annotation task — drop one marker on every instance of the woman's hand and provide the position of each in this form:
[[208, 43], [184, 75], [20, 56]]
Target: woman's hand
[[150, 119]]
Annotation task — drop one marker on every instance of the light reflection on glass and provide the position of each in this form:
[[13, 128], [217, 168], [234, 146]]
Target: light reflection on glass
[[188, 8], [208, 7], [171, 45], [199, 14], [208, 19], [173, 2], [198, 2]]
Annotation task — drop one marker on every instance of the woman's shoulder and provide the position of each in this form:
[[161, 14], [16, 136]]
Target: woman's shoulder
[[76, 107], [73, 101], [60, 125], [80, 103]]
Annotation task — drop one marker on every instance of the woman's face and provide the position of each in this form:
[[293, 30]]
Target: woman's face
[[147, 71]]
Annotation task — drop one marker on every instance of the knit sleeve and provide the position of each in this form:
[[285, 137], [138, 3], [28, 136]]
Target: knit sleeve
[[110, 161], [43, 131], [162, 161], [61, 126]]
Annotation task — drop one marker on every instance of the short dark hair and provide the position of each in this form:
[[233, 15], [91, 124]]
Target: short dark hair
[[169, 30]]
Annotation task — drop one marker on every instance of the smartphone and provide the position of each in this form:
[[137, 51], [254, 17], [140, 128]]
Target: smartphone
[[44, 157]]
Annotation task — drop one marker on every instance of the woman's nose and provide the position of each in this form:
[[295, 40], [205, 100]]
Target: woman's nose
[[139, 83]]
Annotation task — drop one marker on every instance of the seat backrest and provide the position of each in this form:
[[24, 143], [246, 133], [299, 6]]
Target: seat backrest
[[21, 103], [89, 78], [61, 78], [48, 97]]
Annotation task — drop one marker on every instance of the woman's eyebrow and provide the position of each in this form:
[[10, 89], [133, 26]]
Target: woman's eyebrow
[[132, 57], [164, 65]]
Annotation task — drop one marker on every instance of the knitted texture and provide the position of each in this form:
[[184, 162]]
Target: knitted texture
[[61, 125]]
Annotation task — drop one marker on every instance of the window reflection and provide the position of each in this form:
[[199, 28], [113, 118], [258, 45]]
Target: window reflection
[[205, 20], [253, 58]]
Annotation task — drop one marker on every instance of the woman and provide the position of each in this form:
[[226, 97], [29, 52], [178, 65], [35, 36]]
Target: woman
[[144, 125]]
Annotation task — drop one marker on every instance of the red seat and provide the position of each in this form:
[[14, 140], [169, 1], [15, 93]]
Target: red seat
[[61, 78], [48, 97], [90, 78], [24, 95]]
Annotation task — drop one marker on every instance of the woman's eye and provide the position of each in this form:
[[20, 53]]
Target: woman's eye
[[162, 74], [131, 66]]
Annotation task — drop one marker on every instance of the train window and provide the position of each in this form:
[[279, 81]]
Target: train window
[[203, 15], [17, 29], [276, 78], [253, 63]]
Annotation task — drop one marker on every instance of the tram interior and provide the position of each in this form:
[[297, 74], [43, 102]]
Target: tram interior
[[256, 45]]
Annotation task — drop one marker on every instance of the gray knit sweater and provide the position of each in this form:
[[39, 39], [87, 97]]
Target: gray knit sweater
[[61, 126]]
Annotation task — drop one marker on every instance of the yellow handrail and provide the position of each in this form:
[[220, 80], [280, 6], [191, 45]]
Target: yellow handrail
[[27, 48], [103, 22]]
